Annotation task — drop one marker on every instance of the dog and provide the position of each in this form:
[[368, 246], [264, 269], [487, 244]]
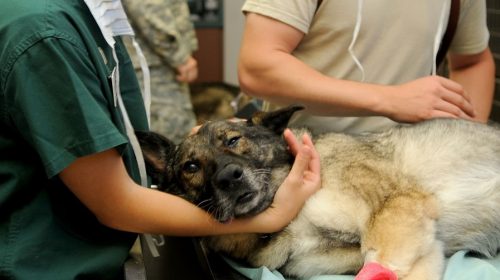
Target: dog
[[404, 198]]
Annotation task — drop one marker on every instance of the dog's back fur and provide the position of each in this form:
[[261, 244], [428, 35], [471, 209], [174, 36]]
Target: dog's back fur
[[403, 198]]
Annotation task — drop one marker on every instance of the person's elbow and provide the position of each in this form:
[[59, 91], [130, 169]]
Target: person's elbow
[[120, 212], [247, 79], [460, 62], [111, 221], [254, 77]]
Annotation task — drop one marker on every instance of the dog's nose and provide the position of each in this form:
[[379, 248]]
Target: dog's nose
[[228, 174]]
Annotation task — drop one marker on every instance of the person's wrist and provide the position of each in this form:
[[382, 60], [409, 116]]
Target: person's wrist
[[261, 223], [249, 225], [381, 100]]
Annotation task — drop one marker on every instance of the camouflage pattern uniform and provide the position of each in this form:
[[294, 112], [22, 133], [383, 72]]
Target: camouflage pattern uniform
[[167, 37]]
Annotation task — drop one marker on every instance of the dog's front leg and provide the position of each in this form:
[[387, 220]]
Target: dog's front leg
[[274, 254], [401, 237]]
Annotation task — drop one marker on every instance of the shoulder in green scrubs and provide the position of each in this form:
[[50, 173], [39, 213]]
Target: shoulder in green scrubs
[[56, 105]]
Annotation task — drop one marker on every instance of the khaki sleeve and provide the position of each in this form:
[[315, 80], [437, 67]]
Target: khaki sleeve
[[472, 33], [296, 13]]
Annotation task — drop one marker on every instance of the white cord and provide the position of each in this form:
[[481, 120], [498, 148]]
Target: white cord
[[134, 142], [355, 37], [146, 93]]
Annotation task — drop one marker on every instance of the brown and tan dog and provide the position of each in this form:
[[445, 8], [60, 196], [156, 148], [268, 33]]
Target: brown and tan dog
[[403, 198]]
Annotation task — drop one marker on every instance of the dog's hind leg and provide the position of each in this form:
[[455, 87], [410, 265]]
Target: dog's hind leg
[[401, 236]]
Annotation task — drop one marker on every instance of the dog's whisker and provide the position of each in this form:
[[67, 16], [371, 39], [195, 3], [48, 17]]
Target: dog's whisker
[[262, 179], [207, 206], [218, 213], [211, 209], [262, 171], [205, 203]]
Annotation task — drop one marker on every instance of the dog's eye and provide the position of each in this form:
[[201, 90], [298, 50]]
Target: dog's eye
[[191, 167], [233, 141]]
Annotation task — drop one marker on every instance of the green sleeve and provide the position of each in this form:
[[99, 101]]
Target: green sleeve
[[55, 100]]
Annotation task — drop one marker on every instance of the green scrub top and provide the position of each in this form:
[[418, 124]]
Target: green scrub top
[[56, 105]]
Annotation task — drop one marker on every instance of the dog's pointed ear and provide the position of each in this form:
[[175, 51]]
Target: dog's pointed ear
[[158, 153], [275, 120]]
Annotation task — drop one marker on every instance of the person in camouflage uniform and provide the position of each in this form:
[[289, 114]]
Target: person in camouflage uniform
[[166, 34]]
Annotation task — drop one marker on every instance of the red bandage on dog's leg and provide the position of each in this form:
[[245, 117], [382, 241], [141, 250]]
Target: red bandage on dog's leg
[[375, 271]]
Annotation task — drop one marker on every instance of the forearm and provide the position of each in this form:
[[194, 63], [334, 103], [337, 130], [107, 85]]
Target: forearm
[[102, 183], [267, 69], [279, 77], [145, 210], [478, 79]]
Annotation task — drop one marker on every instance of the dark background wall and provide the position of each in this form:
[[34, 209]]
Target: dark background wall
[[494, 25]]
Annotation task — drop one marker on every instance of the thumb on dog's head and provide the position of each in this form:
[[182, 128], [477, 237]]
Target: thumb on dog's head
[[306, 167], [301, 162], [303, 180]]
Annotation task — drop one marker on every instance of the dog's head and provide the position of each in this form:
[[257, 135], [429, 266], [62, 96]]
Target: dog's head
[[231, 169]]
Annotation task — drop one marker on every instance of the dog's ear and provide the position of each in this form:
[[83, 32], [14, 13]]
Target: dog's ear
[[275, 120], [158, 152]]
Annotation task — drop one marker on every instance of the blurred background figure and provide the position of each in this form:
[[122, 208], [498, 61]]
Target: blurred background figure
[[167, 36]]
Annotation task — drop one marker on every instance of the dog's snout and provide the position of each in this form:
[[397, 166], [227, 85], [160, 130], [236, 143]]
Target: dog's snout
[[228, 174]]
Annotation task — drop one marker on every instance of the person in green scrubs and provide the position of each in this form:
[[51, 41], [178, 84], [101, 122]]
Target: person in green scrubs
[[70, 200]]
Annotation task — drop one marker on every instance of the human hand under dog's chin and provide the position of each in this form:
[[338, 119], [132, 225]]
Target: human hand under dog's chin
[[303, 180]]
